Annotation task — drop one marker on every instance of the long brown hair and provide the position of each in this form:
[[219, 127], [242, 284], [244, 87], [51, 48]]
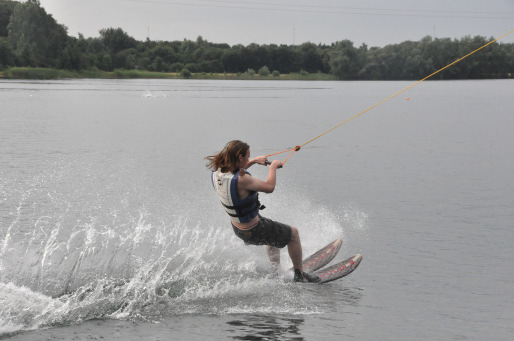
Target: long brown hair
[[228, 159]]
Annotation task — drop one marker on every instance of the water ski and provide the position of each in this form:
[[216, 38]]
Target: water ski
[[322, 257], [339, 270], [318, 260]]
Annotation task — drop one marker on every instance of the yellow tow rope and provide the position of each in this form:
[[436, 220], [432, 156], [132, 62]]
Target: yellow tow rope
[[297, 148]]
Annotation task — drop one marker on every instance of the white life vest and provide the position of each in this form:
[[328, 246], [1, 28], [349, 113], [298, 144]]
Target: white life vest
[[240, 211]]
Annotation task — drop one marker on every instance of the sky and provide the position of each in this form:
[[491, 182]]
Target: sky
[[290, 22]]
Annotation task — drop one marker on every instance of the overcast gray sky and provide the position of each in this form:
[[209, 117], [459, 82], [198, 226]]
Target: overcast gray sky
[[376, 23]]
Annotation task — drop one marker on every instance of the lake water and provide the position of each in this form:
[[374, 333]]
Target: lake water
[[109, 227]]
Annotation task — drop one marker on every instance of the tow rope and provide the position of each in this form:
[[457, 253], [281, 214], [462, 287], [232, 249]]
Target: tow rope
[[297, 148]]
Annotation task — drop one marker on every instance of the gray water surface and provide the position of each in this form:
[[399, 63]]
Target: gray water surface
[[109, 226]]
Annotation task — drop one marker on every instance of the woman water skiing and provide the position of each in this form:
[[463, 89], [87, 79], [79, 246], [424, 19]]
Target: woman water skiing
[[238, 192]]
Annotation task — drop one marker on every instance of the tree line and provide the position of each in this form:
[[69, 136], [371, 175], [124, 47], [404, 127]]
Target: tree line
[[30, 37]]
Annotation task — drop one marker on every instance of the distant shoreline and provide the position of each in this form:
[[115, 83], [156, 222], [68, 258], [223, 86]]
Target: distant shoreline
[[47, 74]]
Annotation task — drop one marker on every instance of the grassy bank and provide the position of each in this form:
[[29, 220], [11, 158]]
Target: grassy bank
[[44, 73]]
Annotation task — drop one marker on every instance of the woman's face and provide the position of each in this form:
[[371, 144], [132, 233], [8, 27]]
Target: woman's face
[[243, 161]]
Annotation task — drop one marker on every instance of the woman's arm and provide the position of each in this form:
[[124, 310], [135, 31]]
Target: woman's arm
[[250, 183], [261, 160]]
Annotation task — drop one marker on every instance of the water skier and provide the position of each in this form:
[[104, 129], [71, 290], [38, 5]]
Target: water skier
[[238, 192]]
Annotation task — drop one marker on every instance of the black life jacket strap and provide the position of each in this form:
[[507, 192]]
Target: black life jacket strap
[[245, 208]]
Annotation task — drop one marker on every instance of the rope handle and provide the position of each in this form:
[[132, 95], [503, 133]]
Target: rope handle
[[267, 163], [292, 150]]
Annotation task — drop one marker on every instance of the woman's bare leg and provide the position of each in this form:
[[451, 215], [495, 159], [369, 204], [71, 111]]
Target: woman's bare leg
[[295, 249], [274, 257]]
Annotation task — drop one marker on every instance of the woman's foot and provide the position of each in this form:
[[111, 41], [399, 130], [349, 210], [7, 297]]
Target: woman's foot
[[304, 277]]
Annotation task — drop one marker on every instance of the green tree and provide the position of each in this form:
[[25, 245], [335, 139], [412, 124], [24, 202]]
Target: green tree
[[186, 50], [116, 40], [371, 68], [105, 62], [176, 67], [185, 73], [76, 56], [232, 61], [165, 51], [264, 71], [501, 60], [254, 56], [210, 59], [311, 60], [345, 60], [6, 9], [125, 59], [6, 54], [35, 36], [286, 59], [477, 65]]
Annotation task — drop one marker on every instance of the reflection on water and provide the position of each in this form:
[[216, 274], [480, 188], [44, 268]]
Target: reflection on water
[[334, 298], [265, 327]]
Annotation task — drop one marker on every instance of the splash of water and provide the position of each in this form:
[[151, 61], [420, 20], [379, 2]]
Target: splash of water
[[75, 245]]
